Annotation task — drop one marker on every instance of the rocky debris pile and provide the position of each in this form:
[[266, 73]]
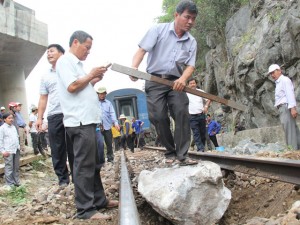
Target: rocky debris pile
[[250, 147]]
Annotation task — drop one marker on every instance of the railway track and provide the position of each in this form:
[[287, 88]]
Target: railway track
[[285, 170]]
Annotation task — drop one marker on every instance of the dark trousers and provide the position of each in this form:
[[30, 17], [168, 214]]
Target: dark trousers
[[214, 140], [107, 134], [161, 100], [89, 192], [138, 140], [129, 141], [43, 141], [117, 141], [61, 148], [36, 143], [100, 147], [198, 126]]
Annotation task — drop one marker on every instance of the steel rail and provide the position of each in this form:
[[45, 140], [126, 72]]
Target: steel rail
[[128, 213], [285, 170]]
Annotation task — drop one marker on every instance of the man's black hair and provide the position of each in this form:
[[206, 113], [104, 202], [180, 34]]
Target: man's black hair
[[191, 79], [80, 35], [186, 4], [5, 115], [58, 47]]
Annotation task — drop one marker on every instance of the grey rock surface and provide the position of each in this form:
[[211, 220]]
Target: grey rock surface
[[261, 33], [188, 194]]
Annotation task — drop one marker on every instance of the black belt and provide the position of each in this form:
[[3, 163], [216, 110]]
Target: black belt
[[22, 126], [198, 114], [165, 76], [282, 104]]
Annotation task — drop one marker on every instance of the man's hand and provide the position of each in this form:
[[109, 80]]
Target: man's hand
[[179, 84], [117, 127], [294, 112], [133, 78], [5, 154], [98, 72], [38, 124]]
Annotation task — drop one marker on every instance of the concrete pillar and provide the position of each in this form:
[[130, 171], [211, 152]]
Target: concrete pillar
[[12, 88]]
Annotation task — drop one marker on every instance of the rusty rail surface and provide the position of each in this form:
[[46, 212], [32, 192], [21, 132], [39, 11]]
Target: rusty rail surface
[[285, 170]]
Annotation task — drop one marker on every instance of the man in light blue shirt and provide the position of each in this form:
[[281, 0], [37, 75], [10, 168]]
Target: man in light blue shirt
[[108, 119], [171, 55]]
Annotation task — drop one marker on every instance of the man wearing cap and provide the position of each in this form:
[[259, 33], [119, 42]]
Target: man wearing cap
[[61, 151], [108, 118], [2, 109], [127, 132], [21, 126], [285, 102]]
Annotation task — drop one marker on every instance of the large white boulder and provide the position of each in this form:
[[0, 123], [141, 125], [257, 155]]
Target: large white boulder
[[188, 194]]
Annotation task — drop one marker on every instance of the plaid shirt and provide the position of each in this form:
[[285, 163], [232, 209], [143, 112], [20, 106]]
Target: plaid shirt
[[9, 139]]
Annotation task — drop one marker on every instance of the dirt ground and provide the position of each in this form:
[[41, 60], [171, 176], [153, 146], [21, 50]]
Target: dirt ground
[[251, 197], [259, 197]]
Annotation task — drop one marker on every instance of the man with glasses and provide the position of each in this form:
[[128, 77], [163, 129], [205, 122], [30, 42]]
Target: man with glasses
[[285, 102]]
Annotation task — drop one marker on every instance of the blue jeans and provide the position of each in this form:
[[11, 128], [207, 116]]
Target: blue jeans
[[198, 126]]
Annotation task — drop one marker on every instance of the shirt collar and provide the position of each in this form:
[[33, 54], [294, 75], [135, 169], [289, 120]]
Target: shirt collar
[[184, 37], [74, 58], [279, 79]]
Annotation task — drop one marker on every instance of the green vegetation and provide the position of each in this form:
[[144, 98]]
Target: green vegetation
[[38, 165], [211, 19], [244, 39], [275, 14], [17, 195]]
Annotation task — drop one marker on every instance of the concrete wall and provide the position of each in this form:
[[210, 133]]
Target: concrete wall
[[259, 135], [23, 41]]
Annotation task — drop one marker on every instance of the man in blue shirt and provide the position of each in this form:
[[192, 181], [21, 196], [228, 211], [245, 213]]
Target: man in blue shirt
[[21, 126], [213, 128], [138, 138], [108, 118]]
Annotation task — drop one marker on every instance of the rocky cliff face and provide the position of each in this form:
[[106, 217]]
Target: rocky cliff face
[[259, 34]]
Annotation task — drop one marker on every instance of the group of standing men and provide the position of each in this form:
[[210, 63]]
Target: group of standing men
[[74, 111]]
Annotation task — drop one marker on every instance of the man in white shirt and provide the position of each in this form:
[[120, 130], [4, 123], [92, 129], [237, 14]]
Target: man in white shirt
[[197, 116], [61, 151], [285, 102], [80, 107]]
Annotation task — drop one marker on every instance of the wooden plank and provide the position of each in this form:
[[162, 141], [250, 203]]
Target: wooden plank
[[146, 76], [23, 161]]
